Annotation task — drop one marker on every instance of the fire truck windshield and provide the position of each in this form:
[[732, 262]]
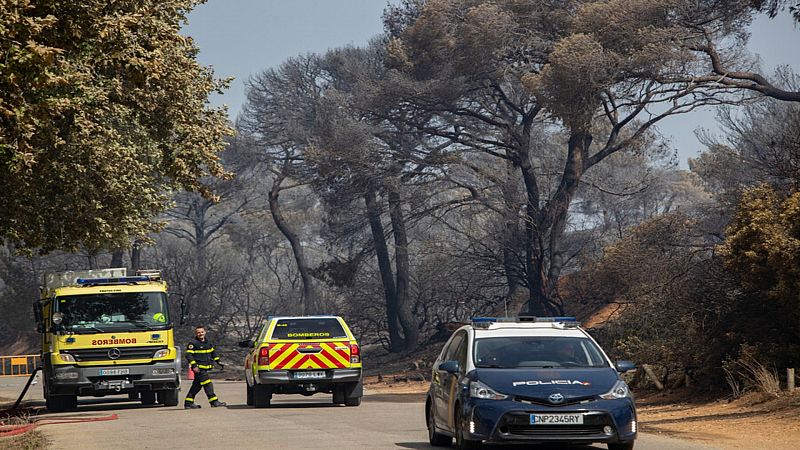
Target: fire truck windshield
[[126, 311]]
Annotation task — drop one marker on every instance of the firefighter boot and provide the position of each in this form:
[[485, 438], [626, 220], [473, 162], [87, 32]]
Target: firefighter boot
[[217, 403], [191, 405]]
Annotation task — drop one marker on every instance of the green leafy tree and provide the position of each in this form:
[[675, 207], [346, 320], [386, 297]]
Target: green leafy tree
[[103, 112], [763, 247]]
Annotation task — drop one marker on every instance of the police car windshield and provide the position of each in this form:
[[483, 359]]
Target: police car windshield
[[308, 329], [537, 351], [120, 311]]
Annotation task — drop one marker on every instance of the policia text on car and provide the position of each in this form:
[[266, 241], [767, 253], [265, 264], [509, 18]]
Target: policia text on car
[[201, 356]]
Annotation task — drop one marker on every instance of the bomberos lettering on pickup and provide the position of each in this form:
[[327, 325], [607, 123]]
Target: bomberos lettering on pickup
[[322, 334], [113, 341]]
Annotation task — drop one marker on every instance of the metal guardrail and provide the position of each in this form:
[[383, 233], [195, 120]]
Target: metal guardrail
[[18, 365]]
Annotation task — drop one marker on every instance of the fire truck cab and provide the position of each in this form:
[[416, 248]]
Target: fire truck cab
[[106, 333]]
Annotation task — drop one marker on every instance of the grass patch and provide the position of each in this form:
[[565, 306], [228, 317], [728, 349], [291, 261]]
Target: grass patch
[[32, 440]]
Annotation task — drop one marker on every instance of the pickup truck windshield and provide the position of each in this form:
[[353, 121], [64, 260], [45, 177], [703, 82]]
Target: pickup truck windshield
[[308, 329], [123, 311], [537, 351]]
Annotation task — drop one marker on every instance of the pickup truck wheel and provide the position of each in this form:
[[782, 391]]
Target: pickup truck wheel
[[262, 395], [148, 397], [249, 395], [169, 397], [352, 401]]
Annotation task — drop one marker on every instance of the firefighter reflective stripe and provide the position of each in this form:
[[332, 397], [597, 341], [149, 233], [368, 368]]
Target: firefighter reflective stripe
[[205, 366], [210, 350], [213, 398], [203, 383], [189, 399], [312, 355], [192, 362], [216, 358]]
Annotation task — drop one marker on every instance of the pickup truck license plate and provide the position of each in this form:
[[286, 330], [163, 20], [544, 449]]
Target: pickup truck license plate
[[311, 375], [556, 419], [114, 372]]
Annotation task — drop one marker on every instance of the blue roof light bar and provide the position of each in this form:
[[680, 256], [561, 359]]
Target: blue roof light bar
[[486, 321], [120, 280]]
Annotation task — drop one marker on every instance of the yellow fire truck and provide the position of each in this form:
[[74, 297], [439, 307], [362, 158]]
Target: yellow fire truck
[[106, 333]]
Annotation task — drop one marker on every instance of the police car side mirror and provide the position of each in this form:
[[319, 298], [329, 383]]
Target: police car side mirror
[[247, 343], [450, 367], [624, 366]]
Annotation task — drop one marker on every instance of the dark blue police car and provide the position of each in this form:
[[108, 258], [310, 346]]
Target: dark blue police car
[[528, 380]]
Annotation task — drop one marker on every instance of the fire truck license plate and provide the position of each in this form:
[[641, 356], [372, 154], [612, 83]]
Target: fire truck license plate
[[114, 371], [556, 419], [309, 375]]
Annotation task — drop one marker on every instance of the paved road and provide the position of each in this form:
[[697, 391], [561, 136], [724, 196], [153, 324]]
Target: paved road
[[383, 421]]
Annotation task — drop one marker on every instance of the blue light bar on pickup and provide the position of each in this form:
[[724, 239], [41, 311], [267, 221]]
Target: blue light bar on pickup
[[120, 280]]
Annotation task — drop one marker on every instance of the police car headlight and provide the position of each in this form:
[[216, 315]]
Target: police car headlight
[[161, 353], [620, 390], [479, 390]]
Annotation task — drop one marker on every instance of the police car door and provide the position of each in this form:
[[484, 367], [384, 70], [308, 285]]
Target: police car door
[[448, 382]]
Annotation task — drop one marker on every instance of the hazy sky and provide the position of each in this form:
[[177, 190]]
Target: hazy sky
[[240, 38]]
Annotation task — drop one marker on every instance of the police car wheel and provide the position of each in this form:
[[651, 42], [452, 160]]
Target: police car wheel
[[462, 442], [436, 439], [621, 446]]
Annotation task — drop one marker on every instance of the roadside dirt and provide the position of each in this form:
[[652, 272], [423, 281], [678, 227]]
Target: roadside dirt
[[753, 421], [750, 422]]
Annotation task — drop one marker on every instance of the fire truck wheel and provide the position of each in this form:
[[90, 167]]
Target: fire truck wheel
[[148, 397], [133, 395], [169, 397], [249, 395], [262, 395], [58, 403]]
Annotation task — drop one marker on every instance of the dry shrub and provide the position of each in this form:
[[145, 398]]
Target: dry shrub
[[32, 440], [748, 373]]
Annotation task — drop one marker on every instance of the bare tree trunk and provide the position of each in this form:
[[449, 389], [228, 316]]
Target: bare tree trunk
[[116, 257], [577, 156], [511, 231], [407, 322], [136, 255], [309, 298], [92, 260], [396, 343], [539, 303]]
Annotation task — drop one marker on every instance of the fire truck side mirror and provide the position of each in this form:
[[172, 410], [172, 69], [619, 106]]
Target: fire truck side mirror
[[183, 312], [37, 316]]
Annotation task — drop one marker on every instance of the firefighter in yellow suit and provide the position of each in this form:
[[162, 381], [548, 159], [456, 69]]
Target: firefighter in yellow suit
[[201, 357]]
